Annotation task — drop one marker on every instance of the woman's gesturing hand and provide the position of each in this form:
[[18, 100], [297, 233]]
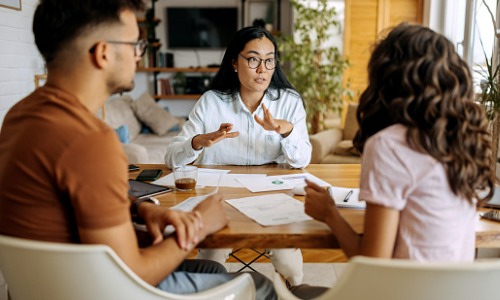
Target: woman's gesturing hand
[[208, 139], [282, 127]]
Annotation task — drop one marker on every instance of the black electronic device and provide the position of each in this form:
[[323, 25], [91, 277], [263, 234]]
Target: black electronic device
[[149, 175], [200, 27], [133, 168], [196, 84], [139, 189], [495, 201]]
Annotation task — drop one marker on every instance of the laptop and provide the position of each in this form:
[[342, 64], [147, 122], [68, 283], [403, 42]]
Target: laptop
[[139, 189], [495, 201]]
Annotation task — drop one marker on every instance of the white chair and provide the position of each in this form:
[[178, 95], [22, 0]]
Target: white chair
[[386, 279], [56, 271]]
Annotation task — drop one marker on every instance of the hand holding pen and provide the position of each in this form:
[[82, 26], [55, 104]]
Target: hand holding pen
[[318, 202]]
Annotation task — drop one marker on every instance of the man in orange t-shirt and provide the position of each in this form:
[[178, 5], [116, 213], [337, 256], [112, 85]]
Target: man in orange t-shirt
[[63, 173]]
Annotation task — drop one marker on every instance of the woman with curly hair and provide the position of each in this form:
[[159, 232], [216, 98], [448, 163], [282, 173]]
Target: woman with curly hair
[[426, 154]]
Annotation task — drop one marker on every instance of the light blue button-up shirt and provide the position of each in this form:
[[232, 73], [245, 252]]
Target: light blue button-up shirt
[[254, 145]]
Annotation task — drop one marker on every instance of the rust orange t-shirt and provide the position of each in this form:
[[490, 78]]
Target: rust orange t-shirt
[[61, 168]]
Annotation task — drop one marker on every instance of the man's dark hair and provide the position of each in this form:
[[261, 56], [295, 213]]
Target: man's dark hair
[[58, 21]]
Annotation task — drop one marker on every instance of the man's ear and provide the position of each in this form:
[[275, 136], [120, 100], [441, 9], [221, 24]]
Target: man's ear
[[101, 54]]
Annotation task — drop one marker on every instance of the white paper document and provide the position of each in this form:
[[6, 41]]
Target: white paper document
[[187, 205], [272, 209], [206, 177], [346, 197], [231, 180], [299, 179], [190, 203], [264, 184]]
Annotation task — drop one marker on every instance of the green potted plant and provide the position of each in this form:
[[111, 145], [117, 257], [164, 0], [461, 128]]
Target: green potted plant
[[490, 92], [312, 66]]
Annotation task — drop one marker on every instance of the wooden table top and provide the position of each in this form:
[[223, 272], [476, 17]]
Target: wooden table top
[[243, 232]]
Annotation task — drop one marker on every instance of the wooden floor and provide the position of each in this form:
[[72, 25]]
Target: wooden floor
[[310, 256]]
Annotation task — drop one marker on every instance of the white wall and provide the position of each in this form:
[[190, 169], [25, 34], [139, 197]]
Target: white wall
[[19, 57]]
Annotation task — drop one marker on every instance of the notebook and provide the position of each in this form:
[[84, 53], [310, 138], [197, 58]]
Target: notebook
[[346, 197], [140, 189]]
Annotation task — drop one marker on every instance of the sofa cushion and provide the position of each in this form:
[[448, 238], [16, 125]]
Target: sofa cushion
[[155, 145], [345, 148], [350, 123], [119, 112], [151, 114]]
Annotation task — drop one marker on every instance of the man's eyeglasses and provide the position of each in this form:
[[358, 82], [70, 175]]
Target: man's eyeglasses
[[139, 46], [254, 62]]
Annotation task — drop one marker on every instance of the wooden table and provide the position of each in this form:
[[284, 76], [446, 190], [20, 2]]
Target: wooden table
[[242, 232]]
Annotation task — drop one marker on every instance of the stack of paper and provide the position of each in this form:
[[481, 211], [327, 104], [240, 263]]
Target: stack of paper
[[346, 197], [273, 209], [280, 182]]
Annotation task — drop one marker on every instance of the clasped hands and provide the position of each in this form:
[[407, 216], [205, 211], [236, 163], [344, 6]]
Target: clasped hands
[[190, 227], [282, 127]]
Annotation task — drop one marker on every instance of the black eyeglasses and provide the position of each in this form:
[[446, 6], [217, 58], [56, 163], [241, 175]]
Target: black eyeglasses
[[139, 46], [254, 62]]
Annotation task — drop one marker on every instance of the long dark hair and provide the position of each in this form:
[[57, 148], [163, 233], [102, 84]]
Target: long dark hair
[[417, 79], [226, 80]]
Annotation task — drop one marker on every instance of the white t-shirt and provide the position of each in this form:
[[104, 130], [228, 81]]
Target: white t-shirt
[[254, 145], [435, 224]]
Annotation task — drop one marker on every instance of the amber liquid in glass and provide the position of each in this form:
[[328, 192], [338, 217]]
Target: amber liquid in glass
[[185, 183]]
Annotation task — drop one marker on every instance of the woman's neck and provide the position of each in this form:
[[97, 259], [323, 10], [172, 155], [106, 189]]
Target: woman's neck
[[251, 100]]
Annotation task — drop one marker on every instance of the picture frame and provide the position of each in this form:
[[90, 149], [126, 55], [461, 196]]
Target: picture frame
[[11, 4]]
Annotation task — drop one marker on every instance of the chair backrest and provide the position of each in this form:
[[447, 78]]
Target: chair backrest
[[394, 279], [55, 271]]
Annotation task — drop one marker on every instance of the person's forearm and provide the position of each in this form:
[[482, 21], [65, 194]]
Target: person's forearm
[[349, 240], [159, 261], [285, 129], [179, 152], [297, 152]]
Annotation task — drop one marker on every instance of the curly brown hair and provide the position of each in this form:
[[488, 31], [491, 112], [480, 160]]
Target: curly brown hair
[[418, 80]]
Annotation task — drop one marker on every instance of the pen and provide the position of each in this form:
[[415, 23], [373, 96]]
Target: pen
[[347, 196]]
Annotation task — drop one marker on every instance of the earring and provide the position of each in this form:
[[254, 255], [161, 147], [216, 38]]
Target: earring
[[236, 70]]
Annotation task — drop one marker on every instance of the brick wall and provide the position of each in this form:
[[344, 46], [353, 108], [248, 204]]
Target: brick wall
[[19, 57]]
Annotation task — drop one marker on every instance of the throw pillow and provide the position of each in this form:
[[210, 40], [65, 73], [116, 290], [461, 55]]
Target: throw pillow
[[123, 134], [351, 122], [150, 113], [119, 112], [346, 148]]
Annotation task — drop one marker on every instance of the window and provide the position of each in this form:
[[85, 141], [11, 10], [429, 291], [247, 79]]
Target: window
[[467, 24]]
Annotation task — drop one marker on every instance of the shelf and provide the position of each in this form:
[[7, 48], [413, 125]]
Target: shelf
[[175, 70], [177, 97]]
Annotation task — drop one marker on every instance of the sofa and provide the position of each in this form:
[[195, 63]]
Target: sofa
[[144, 128], [334, 145]]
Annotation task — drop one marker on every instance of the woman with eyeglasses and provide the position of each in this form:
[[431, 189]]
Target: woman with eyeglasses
[[251, 115]]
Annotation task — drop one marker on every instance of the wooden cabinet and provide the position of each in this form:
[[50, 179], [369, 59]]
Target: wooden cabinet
[[365, 20], [155, 73]]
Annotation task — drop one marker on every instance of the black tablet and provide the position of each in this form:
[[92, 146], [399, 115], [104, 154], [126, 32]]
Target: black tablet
[[140, 189]]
